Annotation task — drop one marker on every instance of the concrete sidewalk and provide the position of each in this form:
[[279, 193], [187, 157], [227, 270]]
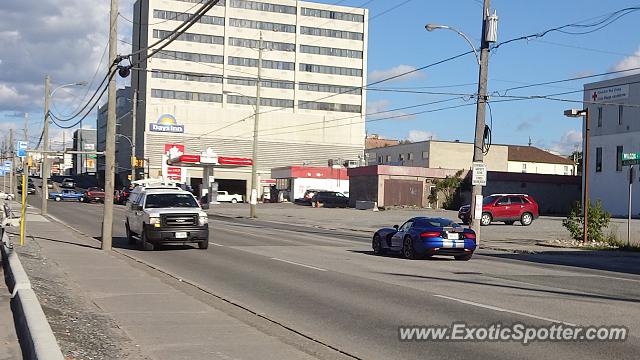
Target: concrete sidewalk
[[162, 322], [9, 345]]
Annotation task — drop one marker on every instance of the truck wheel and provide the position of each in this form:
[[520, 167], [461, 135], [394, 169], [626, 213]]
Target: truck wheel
[[143, 240], [233, 201], [203, 245], [130, 239], [58, 198]]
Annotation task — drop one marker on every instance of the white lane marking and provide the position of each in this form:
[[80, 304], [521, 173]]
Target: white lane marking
[[212, 243], [303, 265], [495, 308]]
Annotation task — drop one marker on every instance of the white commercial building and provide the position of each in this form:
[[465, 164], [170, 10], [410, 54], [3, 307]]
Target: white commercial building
[[613, 115], [200, 91], [437, 154]]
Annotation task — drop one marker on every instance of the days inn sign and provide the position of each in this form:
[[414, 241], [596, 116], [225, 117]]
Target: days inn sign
[[166, 123]]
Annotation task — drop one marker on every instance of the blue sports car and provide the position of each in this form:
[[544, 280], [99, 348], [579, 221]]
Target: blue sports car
[[424, 237]]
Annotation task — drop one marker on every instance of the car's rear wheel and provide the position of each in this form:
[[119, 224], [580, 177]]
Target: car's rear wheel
[[526, 219], [407, 248], [58, 198], [203, 245], [130, 239], [486, 219], [81, 199], [376, 244], [465, 257]]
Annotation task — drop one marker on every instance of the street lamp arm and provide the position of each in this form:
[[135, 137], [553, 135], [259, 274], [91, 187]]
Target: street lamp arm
[[126, 137], [431, 27]]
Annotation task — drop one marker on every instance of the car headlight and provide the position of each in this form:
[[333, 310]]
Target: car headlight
[[204, 220], [155, 221]]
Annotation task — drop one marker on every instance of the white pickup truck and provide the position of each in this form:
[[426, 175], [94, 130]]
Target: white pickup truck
[[223, 196]]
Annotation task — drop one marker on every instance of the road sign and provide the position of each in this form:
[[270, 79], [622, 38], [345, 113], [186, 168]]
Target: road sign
[[630, 159], [479, 171], [22, 148]]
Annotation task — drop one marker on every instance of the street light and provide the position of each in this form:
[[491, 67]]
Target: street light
[[431, 27], [45, 137], [489, 35], [585, 166]]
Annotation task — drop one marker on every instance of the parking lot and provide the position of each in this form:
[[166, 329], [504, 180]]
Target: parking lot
[[497, 235]]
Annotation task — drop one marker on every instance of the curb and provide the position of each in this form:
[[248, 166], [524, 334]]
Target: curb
[[34, 332]]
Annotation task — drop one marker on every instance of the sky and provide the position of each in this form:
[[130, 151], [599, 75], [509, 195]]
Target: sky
[[67, 39]]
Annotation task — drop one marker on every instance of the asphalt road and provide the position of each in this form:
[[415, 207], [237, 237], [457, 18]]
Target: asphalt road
[[328, 286]]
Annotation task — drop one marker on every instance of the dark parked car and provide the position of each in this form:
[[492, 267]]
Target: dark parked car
[[329, 199], [424, 237], [31, 189], [508, 208], [306, 198], [68, 183]]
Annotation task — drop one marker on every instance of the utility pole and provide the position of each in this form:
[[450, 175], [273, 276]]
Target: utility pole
[[110, 145], [478, 155], [45, 146], [133, 134], [13, 163], [256, 119]]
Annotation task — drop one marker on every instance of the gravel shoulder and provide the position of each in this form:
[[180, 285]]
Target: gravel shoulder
[[82, 329]]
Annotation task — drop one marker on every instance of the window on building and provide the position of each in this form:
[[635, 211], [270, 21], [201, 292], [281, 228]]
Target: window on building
[[185, 76], [248, 100], [336, 15], [254, 44], [327, 51], [401, 157], [619, 150], [331, 70], [524, 168], [186, 56], [380, 159], [245, 81], [598, 159], [425, 154], [185, 95], [312, 105], [410, 156], [566, 170], [261, 6], [328, 88], [620, 112], [190, 37], [262, 25], [600, 116], [339, 34], [178, 16], [388, 158]]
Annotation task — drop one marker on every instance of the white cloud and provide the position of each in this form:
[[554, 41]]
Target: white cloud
[[377, 106], [630, 62], [419, 135], [568, 143], [378, 75]]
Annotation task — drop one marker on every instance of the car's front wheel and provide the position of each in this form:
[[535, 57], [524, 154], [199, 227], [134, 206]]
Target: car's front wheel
[[485, 219], [526, 219], [234, 201], [130, 239], [376, 244], [58, 198], [407, 249]]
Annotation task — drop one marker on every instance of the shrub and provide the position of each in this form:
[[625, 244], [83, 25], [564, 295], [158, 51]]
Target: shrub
[[598, 221]]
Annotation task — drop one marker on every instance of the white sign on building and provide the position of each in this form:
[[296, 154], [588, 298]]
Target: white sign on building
[[617, 92]]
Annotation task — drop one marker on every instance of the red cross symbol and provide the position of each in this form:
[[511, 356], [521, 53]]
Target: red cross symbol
[[594, 96]]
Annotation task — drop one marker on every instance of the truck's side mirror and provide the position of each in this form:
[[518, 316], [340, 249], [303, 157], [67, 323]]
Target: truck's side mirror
[[136, 207], [396, 227]]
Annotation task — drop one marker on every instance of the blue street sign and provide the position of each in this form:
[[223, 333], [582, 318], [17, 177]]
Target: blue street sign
[[22, 148], [7, 166]]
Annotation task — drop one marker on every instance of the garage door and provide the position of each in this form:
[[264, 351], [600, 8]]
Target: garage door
[[403, 192]]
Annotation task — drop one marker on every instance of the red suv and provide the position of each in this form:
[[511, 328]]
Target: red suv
[[504, 207]]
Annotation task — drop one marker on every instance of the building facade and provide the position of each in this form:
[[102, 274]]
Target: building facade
[[436, 154], [200, 91], [614, 130], [123, 139], [84, 140]]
